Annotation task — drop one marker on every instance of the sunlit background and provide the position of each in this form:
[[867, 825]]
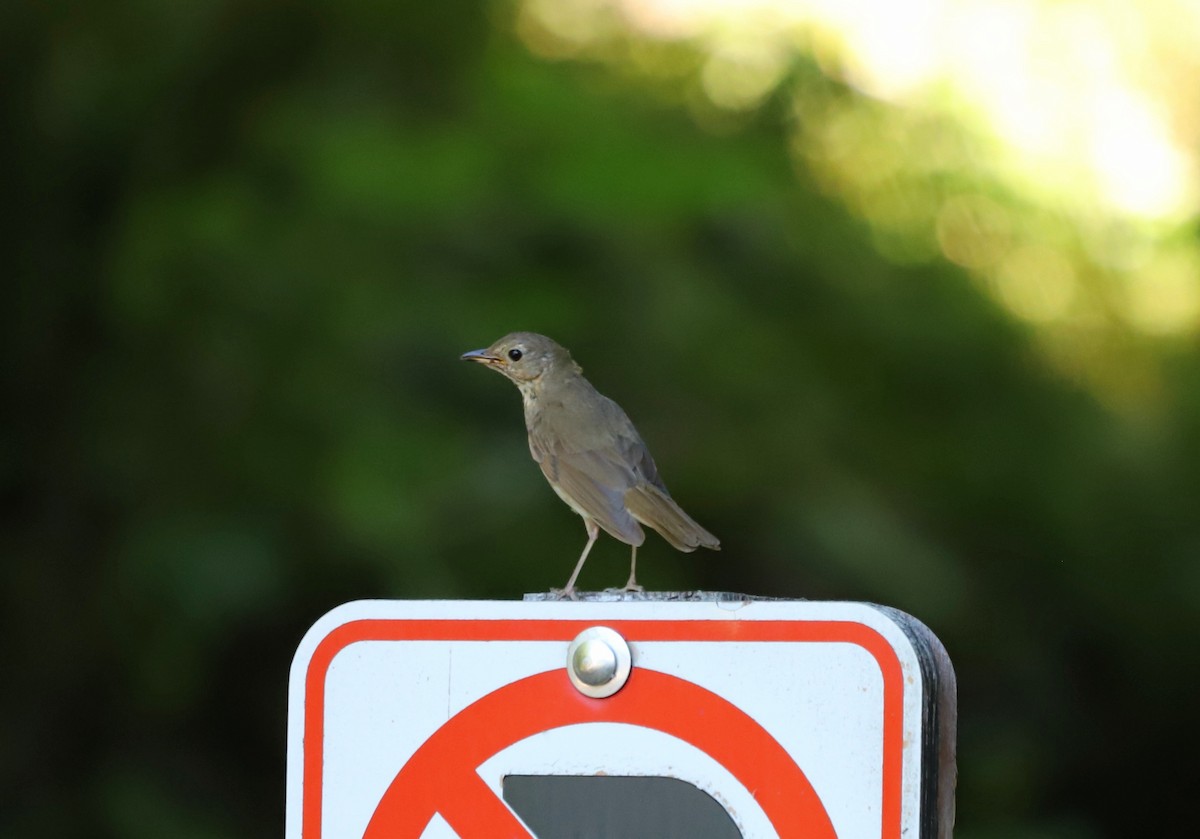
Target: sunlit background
[[904, 297], [1049, 148]]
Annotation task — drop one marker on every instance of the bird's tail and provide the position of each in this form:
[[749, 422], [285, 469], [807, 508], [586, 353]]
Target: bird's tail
[[655, 508]]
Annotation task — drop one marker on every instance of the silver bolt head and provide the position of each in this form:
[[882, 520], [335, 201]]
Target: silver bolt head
[[598, 662], [594, 662]]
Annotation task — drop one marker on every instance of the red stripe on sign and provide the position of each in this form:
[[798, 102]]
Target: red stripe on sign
[[436, 774]]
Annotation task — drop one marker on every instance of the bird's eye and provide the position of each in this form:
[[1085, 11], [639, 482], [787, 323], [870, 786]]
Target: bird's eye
[[515, 354]]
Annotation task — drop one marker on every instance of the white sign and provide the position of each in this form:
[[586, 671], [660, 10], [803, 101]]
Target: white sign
[[798, 718]]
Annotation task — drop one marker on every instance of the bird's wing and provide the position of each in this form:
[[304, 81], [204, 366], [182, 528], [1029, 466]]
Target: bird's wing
[[593, 485], [609, 430], [646, 497]]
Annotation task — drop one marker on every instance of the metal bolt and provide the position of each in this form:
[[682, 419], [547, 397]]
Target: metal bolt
[[598, 662]]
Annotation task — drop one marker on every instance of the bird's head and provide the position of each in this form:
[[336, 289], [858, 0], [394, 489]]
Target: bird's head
[[524, 357]]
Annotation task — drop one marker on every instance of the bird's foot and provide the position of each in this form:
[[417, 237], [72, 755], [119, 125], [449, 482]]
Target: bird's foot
[[565, 593], [632, 586]]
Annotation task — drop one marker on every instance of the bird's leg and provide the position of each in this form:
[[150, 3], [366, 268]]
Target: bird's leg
[[593, 531], [631, 584]]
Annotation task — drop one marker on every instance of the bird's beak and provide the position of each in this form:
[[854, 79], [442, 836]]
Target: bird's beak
[[482, 356]]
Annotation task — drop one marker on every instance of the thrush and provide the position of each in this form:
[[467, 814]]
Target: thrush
[[589, 451]]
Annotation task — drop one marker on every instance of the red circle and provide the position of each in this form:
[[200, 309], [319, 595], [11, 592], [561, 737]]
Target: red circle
[[441, 776]]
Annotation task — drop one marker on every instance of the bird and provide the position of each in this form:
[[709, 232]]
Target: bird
[[589, 451]]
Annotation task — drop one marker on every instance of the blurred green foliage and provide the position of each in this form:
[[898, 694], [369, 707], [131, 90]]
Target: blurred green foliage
[[247, 242]]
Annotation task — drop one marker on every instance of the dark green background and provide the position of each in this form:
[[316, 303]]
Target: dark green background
[[246, 242]]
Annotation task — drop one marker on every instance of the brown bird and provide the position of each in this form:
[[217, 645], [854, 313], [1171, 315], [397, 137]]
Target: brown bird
[[589, 451]]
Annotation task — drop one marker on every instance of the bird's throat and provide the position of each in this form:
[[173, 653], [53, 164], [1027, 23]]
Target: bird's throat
[[529, 395]]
